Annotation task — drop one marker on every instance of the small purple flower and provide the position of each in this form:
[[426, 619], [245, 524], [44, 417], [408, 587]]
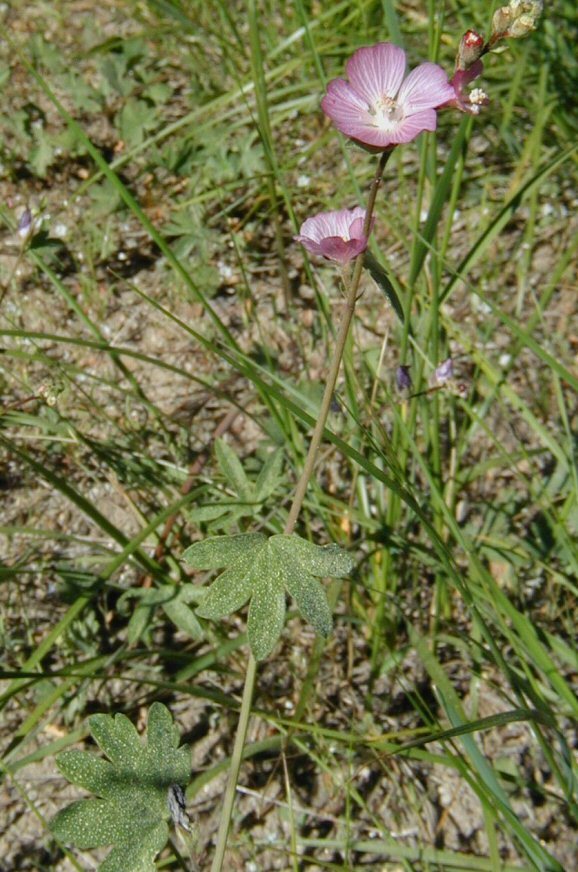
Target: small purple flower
[[335, 235], [444, 372], [25, 223], [403, 378], [379, 107]]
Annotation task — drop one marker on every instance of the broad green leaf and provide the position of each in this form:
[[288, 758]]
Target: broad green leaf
[[263, 570], [132, 811], [219, 551], [232, 469]]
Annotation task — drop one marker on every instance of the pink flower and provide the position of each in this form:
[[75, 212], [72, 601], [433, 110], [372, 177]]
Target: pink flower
[[335, 235], [379, 106]]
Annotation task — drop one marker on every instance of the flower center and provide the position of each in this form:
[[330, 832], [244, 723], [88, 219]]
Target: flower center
[[387, 113]]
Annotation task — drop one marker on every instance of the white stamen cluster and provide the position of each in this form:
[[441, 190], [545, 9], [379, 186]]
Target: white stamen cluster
[[478, 97], [387, 113]]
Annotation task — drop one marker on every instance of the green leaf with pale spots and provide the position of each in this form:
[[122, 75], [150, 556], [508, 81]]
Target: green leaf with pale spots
[[132, 810], [219, 551], [263, 570]]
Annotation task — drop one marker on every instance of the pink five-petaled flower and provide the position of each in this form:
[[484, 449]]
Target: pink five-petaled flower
[[379, 106], [335, 235]]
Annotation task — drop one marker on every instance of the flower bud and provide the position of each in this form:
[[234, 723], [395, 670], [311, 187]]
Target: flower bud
[[25, 224], [444, 372], [516, 20], [522, 26], [403, 378], [501, 21], [470, 49]]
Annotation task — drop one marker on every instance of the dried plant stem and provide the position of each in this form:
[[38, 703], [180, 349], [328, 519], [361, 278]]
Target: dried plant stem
[[294, 511]]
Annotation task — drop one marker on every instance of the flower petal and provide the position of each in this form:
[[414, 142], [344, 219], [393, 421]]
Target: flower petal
[[413, 125], [343, 105], [364, 132], [377, 71], [425, 88], [341, 250]]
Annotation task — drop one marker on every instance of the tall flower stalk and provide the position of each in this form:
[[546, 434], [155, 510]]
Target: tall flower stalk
[[296, 505]]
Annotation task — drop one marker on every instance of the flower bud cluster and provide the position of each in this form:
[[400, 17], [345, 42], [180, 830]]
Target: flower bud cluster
[[512, 21], [516, 20]]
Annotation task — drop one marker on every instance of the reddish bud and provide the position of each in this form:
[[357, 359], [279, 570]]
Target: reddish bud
[[470, 50]]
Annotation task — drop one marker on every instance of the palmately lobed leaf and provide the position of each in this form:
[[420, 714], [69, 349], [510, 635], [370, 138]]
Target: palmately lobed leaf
[[219, 551], [133, 811], [261, 570]]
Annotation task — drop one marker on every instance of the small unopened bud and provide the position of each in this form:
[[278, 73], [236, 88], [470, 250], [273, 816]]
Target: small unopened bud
[[444, 372], [522, 26], [470, 50], [403, 378], [25, 224], [516, 20], [501, 21]]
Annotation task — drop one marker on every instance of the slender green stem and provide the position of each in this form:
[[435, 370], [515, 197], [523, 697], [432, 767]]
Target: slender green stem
[[335, 365], [236, 758], [294, 511]]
